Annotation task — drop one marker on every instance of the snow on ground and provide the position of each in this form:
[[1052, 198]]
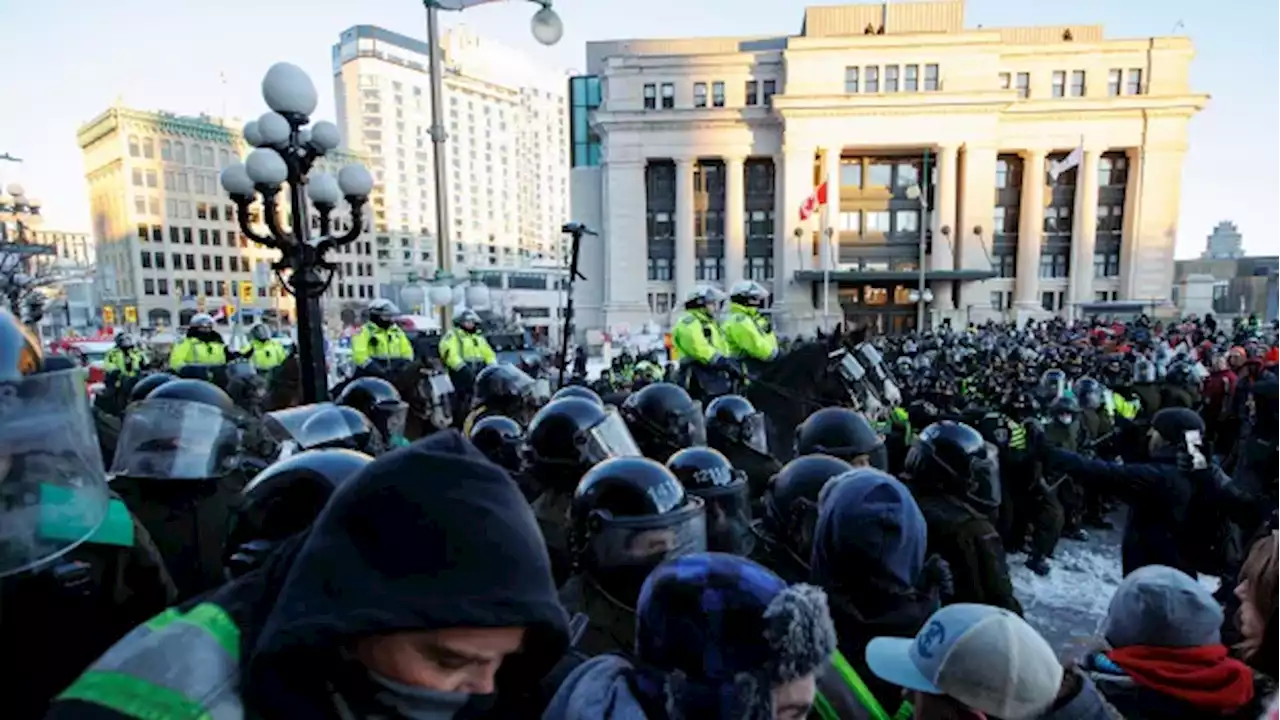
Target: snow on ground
[[1068, 605]]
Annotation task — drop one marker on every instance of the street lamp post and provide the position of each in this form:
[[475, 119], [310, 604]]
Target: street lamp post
[[16, 250], [285, 151], [547, 29]]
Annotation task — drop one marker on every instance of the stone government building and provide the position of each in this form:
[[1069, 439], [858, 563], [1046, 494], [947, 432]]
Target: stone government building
[[693, 156]]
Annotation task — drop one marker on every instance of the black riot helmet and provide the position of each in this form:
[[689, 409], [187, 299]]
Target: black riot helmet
[[283, 500], [1144, 371], [504, 389], [791, 501], [578, 391], [145, 385], [1089, 393], [499, 438], [195, 391], [379, 401], [706, 473], [338, 427], [951, 456], [1053, 384], [733, 420], [663, 418], [1180, 373], [842, 433], [567, 437], [1064, 410], [628, 515]]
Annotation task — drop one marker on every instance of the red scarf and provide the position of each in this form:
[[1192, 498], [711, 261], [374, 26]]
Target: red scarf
[[1202, 676]]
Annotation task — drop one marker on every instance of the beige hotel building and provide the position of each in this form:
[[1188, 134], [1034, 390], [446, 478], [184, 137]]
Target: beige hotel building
[[694, 156]]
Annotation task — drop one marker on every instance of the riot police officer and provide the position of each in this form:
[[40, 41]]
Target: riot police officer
[[1181, 386], [748, 334], [268, 353], [76, 569], [1053, 384], [845, 434], [124, 362], [708, 474], [379, 401], [145, 385], [1098, 428], [663, 419], [951, 473], [203, 345], [380, 339], [737, 429], [177, 468], [791, 513], [578, 391], [500, 439], [284, 500], [697, 339], [1063, 431], [501, 390], [1145, 388], [628, 515], [564, 440]]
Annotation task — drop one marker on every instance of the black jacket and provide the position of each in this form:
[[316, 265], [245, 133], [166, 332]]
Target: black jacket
[[968, 541]]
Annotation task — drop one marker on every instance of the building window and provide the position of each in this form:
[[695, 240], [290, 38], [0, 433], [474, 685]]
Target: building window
[[148, 286], [1006, 81], [217, 263], [206, 263], [906, 221], [873, 78], [1112, 171], [851, 173], [1006, 264], [162, 286], [1077, 83], [891, 78], [717, 93], [769, 88], [1114, 77], [930, 78], [650, 96], [752, 93], [851, 221], [660, 269], [133, 146], [879, 173], [1047, 301], [145, 257], [1054, 265], [700, 95], [911, 78], [851, 79], [668, 96], [877, 221], [759, 268], [1002, 174], [166, 150], [1106, 264], [1134, 86], [1059, 83], [1023, 85]]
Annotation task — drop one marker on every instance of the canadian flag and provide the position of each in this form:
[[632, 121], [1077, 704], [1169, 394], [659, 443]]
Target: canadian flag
[[813, 202]]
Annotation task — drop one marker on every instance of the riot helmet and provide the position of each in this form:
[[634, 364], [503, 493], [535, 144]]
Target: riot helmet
[[704, 298], [467, 321], [185, 430], [499, 438], [505, 390], [379, 401], [733, 420], [1144, 371], [382, 312], [706, 473], [953, 457], [284, 500], [842, 433], [125, 341], [628, 515], [1180, 373], [578, 391], [146, 384], [663, 418], [792, 498], [1053, 384], [1064, 410], [53, 491], [749, 293], [260, 332], [567, 437], [200, 323], [336, 427], [1089, 393]]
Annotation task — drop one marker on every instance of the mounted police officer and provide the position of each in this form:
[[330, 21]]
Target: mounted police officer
[[748, 333], [465, 352], [704, 355], [203, 345], [380, 338], [267, 351], [125, 360]]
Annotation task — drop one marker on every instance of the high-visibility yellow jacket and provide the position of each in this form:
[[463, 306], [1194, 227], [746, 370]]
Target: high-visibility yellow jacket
[[197, 352], [748, 334], [375, 343], [460, 347]]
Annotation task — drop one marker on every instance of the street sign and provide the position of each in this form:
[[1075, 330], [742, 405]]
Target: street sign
[[130, 315], [246, 292], [108, 315]]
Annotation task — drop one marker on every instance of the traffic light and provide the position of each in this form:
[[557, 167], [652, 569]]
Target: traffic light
[[108, 315], [229, 310], [246, 292]]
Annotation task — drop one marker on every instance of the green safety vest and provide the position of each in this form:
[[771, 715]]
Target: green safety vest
[[860, 690]]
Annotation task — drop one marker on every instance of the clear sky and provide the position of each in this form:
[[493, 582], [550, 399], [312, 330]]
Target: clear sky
[[65, 61]]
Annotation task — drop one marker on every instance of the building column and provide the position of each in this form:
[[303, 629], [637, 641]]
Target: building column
[[735, 229], [793, 182], [686, 256], [1084, 230], [1030, 233], [1131, 235], [623, 254], [943, 216]]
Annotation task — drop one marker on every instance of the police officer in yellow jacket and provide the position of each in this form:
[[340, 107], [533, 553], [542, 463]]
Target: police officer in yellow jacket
[[380, 338], [126, 359], [748, 332], [267, 351], [465, 344], [704, 355], [202, 345]]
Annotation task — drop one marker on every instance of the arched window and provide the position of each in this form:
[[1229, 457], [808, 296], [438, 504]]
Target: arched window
[[224, 158], [208, 157], [179, 152], [133, 146], [166, 150]]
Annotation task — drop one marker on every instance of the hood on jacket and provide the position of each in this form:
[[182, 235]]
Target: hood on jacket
[[430, 536], [599, 689], [869, 528]]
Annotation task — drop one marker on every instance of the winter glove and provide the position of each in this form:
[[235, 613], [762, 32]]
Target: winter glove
[[936, 573]]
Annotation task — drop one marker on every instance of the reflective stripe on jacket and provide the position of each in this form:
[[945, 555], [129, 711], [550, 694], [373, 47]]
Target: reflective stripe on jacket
[[267, 353], [697, 337], [460, 347], [197, 352], [747, 333], [126, 362], [373, 342]]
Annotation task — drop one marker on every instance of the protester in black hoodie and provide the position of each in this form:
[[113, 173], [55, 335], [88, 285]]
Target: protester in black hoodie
[[422, 576]]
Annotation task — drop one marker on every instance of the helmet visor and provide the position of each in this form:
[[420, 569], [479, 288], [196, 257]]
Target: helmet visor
[[175, 440], [287, 425], [53, 491], [729, 518], [754, 433], [391, 416], [644, 542], [607, 439]]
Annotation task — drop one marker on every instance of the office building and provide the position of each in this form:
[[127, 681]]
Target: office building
[[70, 249], [507, 150], [1224, 243], [1040, 167]]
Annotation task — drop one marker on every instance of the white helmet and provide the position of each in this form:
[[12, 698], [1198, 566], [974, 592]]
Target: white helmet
[[702, 296], [749, 292], [201, 320]]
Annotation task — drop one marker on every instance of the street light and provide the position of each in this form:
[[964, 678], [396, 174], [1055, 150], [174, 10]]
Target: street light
[[16, 248], [922, 291], [285, 151], [547, 29]]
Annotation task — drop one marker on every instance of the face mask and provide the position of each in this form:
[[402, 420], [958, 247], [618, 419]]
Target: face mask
[[1065, 419], [377, 694]]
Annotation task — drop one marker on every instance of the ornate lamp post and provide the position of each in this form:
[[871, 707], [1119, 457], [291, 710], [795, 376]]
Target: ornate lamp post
[[18, 214], [285, 151]]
